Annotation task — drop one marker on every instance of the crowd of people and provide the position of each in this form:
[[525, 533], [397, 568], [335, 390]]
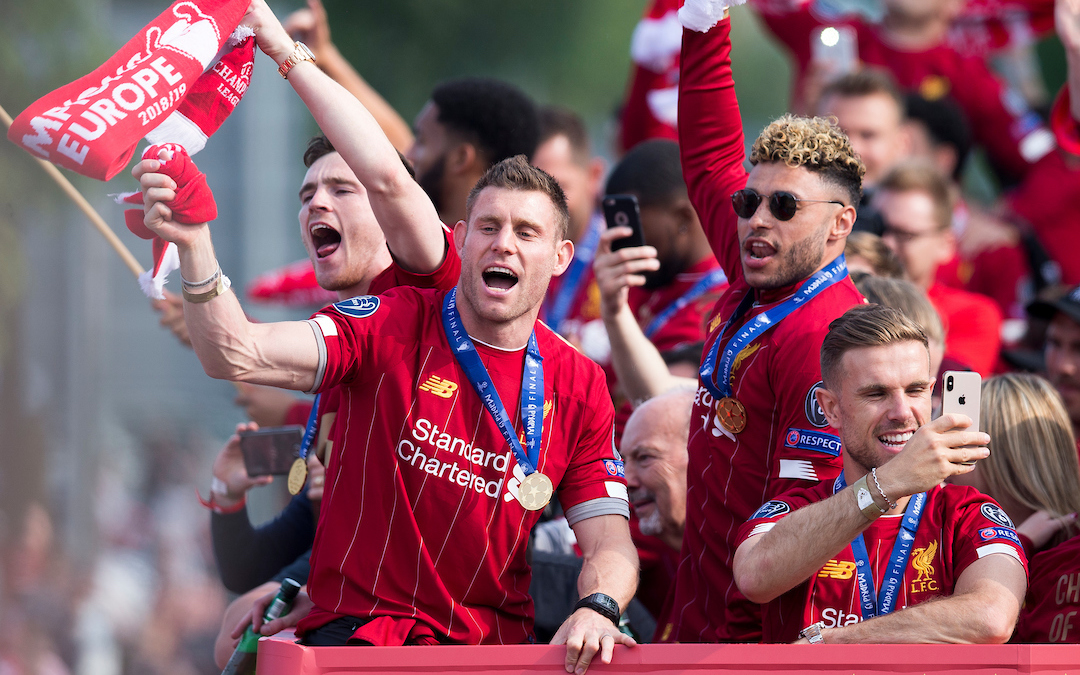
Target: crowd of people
[[739, 420]]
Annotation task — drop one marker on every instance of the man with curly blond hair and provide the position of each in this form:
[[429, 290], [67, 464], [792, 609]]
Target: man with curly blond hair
[[779, 233]]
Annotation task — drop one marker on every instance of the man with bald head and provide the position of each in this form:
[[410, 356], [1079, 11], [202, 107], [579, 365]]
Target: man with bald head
[[654, 452]]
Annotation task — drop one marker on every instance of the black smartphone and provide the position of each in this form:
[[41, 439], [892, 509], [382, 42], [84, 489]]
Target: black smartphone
[[623, 211], [271, 451]]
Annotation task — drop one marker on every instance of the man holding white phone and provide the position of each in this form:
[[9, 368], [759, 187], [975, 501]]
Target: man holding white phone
[[815, 557]]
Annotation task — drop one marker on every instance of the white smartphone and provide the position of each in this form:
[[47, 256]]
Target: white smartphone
[[836, 50], [961, 393]]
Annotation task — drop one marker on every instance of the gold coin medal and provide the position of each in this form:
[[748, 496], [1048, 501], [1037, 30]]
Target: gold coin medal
[[297, 476], [731, 414], [535, 491]]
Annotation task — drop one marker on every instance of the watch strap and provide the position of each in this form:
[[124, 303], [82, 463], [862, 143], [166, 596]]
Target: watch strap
[[300, 53], [602, 604], [812, 633]]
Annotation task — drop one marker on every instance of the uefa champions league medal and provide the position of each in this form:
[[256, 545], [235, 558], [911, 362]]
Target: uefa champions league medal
[[731, 414], [535, 491], [297, 476]]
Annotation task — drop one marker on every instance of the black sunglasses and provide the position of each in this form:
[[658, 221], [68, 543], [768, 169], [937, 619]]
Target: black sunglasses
[[782, 205]]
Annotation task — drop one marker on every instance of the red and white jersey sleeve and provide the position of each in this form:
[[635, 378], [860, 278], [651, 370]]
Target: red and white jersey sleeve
[[1051, 611], [959, 526], [420, 520], [711, 139]]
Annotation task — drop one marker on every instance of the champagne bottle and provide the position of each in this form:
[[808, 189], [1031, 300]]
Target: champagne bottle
[[242, 662]]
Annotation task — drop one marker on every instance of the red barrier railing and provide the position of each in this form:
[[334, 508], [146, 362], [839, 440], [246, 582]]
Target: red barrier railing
[[280, 655]]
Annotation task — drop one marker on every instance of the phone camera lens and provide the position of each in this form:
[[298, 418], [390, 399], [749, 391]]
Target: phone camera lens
[[621, 219], [949, 383]]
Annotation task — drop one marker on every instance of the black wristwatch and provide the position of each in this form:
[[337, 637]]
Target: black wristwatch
[[604, 605]]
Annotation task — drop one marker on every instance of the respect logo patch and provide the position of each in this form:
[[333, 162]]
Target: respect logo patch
[[360, 307], [614, 467], [988, 533], [817, 441]]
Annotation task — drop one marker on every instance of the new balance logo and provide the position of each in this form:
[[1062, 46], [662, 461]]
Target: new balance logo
[[438, 386], [837, 569]]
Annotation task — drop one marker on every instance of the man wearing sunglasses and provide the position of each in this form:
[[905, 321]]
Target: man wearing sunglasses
[[779, 233]]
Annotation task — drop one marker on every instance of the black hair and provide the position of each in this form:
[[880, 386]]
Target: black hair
[[500, 119], [652, 171], [946, 123]]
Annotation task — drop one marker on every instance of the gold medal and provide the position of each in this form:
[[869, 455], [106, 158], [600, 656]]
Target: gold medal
[[535, 491], [731, 414], [297, 476]]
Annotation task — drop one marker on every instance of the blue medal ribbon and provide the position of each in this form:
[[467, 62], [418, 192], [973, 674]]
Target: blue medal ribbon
[[309, 430], [532, 386], [885, 602], [703, 286], [720, 385], [570, 286]]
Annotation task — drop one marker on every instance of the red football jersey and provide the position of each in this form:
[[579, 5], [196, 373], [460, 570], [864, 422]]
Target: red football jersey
[[959, 525], [690, 323], [787, 441], [420, 521], [1051, 610], [651, 106], [1001, 119]]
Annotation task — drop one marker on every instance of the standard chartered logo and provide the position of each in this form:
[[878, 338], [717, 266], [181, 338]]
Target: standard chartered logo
[[447, 457]]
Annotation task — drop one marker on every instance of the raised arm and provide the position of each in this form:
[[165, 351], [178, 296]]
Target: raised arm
[[641, 370], [711, 136], [407, 217], [610, 566], [772, 563], [228, 345], [1067, 24], [311, 26]]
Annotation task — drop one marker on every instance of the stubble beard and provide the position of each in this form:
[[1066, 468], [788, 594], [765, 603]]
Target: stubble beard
[[800, 260]]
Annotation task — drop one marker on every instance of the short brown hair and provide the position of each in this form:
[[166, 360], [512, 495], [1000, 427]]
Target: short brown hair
[[816, 144], [558, 121], [920, 176], [515, 173], [866, 82], [865, 326], [870, 247]]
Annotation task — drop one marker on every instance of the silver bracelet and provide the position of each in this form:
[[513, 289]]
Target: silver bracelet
[[190, 285], [873, 474]]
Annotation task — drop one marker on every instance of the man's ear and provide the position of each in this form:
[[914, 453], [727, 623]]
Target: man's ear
[[830, 405], [460, 230], [597, 169], [462, 158], [947, 250], [564, 253], [843, 223]]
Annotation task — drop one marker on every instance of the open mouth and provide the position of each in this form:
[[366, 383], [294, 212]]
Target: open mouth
[[896, 440], [499, 278], [325, 239], [760, 250]]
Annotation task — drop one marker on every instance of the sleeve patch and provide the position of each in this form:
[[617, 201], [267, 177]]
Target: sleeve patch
[[995, 514], [799, 469], [988, 533], [991, 549], [814, 414], [326, 325], [614, 467], [817, 441], [771, 509], [616, 490], [360, 307]]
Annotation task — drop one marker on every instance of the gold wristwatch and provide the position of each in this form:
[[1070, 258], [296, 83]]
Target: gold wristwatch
[[299, 54]]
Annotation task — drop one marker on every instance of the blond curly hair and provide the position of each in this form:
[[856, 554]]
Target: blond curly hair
[[815, 143]]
